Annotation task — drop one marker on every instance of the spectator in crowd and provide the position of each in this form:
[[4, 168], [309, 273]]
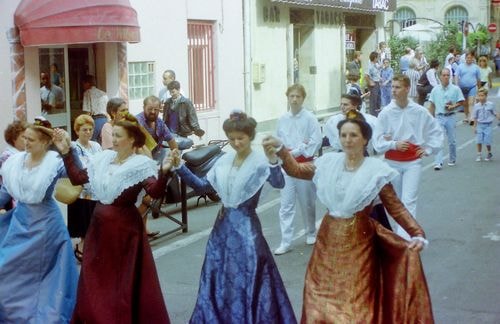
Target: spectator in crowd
[[373, 79], [80, 212], [485, 72], [428, 81], [167, 77], [405, 133], [354, 67], [301, 134], [420, 59], [180, 116], [404, 61], [94, 103], [414, 76], [444, 100], [55, 76], [116, 108], [52, 96], [384, 52], [353, 88], [468, 78], [386, 75], [484, 115]]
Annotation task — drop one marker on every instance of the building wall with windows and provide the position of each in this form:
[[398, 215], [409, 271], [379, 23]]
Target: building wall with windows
[[447, 11], [202, 41]]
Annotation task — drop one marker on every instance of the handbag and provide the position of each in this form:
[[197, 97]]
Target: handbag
[[65, 192]]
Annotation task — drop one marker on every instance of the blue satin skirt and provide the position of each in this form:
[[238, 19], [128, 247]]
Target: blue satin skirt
[[38, 273]]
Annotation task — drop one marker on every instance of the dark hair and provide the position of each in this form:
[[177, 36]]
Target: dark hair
[[434, 63], [355, 117], [13, 130], [355, 100], [373, 56], [238, 121], [297, 86], [174, 85], [89, 79], [113, 105], [134, 131]]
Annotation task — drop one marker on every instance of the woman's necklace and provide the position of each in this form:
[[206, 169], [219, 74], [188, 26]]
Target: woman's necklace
[[120, 161], [352, 165]]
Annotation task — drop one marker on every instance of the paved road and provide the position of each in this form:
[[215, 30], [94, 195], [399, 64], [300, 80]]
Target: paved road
[[459, 208]]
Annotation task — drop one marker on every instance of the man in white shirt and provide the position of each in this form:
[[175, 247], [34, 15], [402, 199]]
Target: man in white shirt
[[347, 103], [94, 102], [406, 132], [300, 132], [52, 96]]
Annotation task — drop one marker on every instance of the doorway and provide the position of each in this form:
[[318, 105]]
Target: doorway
[[302, 61]]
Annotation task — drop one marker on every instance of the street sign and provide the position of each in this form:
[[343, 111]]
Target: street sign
[[492, 28]]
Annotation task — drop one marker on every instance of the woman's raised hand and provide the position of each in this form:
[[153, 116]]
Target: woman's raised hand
[[61, 140], [270, 145]]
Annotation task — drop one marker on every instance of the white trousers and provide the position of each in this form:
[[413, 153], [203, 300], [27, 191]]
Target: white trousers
[[406, 187], [303, 192]]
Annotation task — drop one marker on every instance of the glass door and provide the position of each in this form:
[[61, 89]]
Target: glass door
[[53, 86]]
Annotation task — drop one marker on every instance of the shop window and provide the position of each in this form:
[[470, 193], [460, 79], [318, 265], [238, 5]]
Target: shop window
[[406, 17], [141, 80], [455, 15], [201, 65]]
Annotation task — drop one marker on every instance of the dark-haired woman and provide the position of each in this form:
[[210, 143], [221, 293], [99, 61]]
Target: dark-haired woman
[[359, 271], [38, 274], [118, 279], [239, 282]]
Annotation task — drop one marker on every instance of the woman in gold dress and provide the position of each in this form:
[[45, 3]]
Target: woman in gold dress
[[359, 272]]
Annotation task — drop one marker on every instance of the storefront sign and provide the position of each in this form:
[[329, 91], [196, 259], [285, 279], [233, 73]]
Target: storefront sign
[[365, 5]]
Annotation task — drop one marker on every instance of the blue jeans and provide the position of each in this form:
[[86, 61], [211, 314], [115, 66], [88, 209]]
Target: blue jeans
[[448, 123]]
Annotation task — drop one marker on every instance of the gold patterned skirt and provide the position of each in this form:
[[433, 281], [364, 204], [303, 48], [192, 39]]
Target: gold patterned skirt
[[360, 272]]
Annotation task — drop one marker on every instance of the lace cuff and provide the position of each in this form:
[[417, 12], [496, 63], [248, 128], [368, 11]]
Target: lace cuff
[[421, 239]]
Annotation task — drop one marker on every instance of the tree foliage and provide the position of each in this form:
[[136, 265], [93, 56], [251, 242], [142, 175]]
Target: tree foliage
[[398, 47]]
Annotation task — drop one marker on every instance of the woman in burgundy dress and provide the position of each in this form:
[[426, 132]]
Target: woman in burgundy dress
[[118, 279]]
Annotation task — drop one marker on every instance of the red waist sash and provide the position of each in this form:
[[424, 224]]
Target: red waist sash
[[409, 155]]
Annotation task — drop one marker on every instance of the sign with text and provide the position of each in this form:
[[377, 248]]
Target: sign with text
[[364, 5]]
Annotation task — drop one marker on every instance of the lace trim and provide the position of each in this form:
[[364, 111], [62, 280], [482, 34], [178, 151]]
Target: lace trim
[[108, 181], [30, 186], [364, 187], [250, 177]]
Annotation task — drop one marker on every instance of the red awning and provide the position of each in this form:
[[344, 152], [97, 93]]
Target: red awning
[[53, 22]]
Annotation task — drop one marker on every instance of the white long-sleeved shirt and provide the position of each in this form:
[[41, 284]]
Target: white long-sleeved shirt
[[300, 133], [331, 131], [412, 123], [95, 101]]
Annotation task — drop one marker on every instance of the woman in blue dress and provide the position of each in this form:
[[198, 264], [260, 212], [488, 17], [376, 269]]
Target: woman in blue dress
[[38, 274], [240, 282]]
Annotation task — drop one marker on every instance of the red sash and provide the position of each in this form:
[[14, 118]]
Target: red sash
[[409, 155]]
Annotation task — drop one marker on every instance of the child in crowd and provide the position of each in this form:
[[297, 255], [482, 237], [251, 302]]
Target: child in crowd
[[353, 88], [483, 115]]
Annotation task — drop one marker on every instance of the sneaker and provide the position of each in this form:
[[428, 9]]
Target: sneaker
[[451, 163], [479, 158], [282, 249], [438, 166], [488, 157], [310, 239]]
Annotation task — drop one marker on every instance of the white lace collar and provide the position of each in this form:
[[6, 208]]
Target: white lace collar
[[249, 178], [30, 185], [365, 184], [109, 180]]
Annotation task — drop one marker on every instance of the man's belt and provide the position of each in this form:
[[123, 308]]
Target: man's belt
[[99, 116], [404, 156], [447, 114]]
